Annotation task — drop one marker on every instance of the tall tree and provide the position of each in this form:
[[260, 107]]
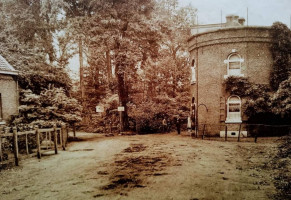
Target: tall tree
[[281, 53], [124, 29]]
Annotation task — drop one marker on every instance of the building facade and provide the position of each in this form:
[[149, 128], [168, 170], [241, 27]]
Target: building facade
[[9, 99], [217, 53]]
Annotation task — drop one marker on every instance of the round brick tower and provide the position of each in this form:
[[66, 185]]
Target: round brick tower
[[221, 50]]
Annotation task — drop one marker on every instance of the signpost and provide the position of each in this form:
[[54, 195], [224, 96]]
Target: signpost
[[99, 109], [120, 110]]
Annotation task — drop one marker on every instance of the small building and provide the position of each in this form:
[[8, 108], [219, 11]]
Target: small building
[[218, 51], [9, 98]]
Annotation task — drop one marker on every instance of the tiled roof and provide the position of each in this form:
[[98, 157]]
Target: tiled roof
[[6, 68]]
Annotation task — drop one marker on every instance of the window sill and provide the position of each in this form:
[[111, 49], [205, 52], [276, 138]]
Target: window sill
[[232, 121], [240, 75]]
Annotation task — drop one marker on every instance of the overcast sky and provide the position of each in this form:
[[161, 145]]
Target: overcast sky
[[260, 12]]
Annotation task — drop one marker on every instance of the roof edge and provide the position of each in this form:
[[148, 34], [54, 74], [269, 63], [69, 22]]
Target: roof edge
[[9, 72], [229, 28]]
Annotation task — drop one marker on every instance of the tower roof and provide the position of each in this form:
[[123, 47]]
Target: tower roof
[[6, 68]]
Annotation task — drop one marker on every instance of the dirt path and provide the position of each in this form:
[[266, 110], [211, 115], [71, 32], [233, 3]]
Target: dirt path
[[145, 167]]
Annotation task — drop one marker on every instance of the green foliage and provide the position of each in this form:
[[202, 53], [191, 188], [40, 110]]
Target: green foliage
[[281, 100], [257, 96], [237, 85], [282, 163], [40, 79], [51, 106], [149, 114], [260, 99], [281, 53]]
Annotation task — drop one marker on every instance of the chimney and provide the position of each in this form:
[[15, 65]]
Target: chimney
[[241, 21], [229, 19], [232, 20]]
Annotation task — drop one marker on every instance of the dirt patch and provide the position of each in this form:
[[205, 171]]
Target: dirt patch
[[131, 172], [135, 148], [132, 167]]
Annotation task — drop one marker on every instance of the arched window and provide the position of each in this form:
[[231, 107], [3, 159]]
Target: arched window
[[234, 62], [193, 71], [233, 110]]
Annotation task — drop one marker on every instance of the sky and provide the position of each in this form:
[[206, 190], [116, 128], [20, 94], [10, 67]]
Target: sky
[[260, 13]]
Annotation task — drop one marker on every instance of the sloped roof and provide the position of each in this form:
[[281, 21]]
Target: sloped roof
[[6, 68]]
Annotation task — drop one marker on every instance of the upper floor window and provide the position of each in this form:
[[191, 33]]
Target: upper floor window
[[234, 62], [193, 72], [233, 110]]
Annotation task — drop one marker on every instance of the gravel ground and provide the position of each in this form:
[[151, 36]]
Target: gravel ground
[[160, 166]]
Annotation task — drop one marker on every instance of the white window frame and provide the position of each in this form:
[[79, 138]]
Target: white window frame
[[233, 117], [193, 71], [229, 60]]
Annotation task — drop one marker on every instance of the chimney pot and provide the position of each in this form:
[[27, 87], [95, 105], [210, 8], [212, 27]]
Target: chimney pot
[[241, 21]]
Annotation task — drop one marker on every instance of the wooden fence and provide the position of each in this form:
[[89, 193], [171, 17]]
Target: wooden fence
[[58, 135]]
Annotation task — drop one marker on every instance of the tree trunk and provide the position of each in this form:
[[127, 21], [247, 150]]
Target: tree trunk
[[123, 96], [81, 69], [109, 67]]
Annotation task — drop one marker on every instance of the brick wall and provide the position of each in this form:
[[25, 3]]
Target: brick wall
[[210, 50]]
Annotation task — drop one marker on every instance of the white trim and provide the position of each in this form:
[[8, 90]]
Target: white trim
[[228, 61], [9, 72], [230, 119], [230, 134]]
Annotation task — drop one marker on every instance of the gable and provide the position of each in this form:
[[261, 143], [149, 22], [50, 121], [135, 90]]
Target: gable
[[6, 68]]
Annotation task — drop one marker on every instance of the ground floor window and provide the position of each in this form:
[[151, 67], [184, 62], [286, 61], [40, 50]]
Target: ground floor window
[[233, 110]]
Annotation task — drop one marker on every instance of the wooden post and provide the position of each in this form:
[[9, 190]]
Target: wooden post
[[120, 122], [110, 124], [38, 142], [203, 131], [67, 132], [1, 153], [256, 137], [26, 144], [50, 138], [238, 138], [46, 140], [56, 139], [225, 132], [15, 146], [62, 136], [74, 130], [197, 130]]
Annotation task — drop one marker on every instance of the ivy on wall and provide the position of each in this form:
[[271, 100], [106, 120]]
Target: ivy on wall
[[273, 99], [257, 95]]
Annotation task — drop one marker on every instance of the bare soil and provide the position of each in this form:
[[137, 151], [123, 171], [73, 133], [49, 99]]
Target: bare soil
[[160, 166]]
